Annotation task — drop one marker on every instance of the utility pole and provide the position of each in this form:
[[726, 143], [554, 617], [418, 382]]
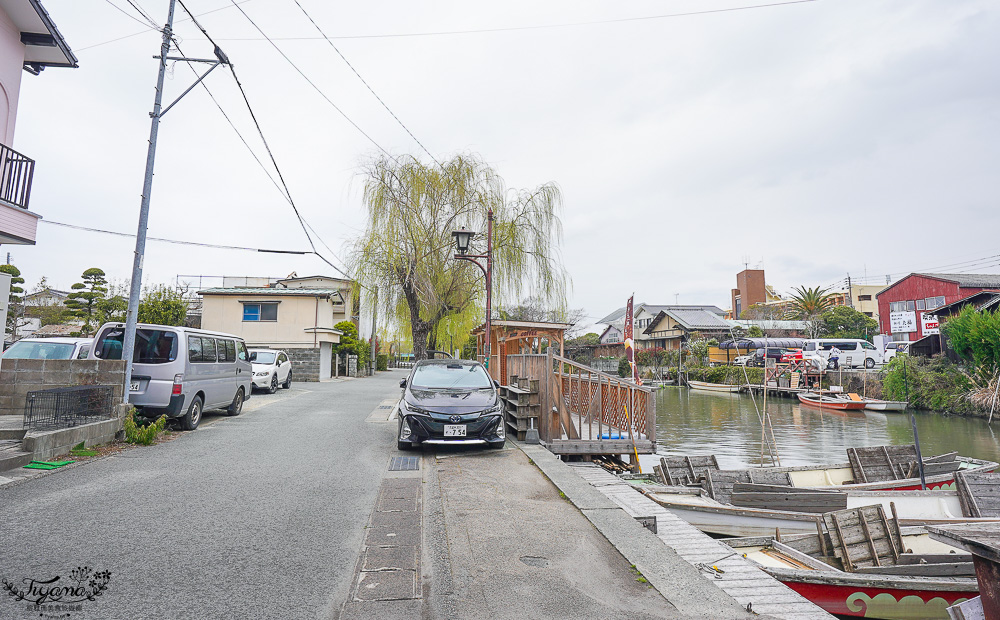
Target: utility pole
[[135, 286], [850, 300]]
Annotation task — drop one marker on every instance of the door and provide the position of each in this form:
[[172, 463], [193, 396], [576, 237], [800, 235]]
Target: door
[[244, 370], [284, 367], [226, 375]]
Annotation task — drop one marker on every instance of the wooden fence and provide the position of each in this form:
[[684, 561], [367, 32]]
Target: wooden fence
[[585, 411]]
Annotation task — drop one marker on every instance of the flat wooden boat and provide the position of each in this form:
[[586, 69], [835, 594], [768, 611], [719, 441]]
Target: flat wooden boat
[[823, 401], [703, 386], [877, 468], [923, 585], [714, 517], [885, 405]]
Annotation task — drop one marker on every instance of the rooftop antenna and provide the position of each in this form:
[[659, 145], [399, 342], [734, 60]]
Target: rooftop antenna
[[746, 262], [677, 297]]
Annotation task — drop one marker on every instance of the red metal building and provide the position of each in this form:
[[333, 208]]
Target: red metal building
[[904, 306]]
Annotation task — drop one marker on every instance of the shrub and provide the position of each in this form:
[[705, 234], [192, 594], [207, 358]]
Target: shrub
[[143, 432], [928, 383], [624, 368], [382, 362]]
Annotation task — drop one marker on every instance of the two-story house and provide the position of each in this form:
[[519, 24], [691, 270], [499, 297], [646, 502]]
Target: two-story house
[[295, 314], [29, 42]]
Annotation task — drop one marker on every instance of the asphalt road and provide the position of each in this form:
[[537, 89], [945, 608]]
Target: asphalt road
[[257, 516]]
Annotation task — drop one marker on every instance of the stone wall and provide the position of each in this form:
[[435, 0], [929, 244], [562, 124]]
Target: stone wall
[[305, 363], [47, 445], [18, 377]]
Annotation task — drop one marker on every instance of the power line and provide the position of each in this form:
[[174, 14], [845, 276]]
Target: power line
[[154, 28], [311, 83], [144, 14], [535, 27], [363, 81], [215, 246], [127, 14]]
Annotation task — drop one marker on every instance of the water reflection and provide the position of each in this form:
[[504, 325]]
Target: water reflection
[[728, 426]]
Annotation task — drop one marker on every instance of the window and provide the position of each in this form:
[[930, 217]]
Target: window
[[241, 351], [867, 345], [920, 304], [262, 357], [227, 350], [152, 346], [910, 307], [282, 358], [869, 314], [260, 312], [934, 302], [201, 349], [864, 297]]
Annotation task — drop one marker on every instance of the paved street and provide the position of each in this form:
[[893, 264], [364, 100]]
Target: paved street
[[292, 510], [258, 516]]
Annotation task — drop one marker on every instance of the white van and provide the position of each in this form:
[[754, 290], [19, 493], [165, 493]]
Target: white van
[[180, 371], [853, 352]]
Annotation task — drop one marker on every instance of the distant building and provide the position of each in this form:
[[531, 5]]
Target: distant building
[[673, 325], [861, 297], [905, 306], [29, 42], [750, 289], [644, 315], [297, 315]]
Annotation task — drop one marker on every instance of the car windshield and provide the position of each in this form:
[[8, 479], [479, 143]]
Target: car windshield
[[152, 346], [262, 357], [25, 350], [451, 376]]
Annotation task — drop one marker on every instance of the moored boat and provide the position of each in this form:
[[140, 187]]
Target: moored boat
[[830, 402], [703, 386], [714, 517], [885, 405], [909, 587]]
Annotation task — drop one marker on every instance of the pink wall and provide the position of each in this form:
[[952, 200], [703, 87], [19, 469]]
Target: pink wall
[[11, 70]]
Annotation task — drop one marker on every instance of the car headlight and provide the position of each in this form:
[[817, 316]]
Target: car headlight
[[408, 408], [496, 409]]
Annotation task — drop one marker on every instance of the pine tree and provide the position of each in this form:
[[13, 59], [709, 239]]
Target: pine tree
[[15, 303], [85, 297]]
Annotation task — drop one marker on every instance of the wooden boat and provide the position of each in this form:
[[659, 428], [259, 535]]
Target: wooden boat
[[885, 405], [920, 581], [876, 468], [703, 386], [714, 517], [830, 402]]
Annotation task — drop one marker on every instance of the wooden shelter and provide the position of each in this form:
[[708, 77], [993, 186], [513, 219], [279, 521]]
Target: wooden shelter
[[517, 337]]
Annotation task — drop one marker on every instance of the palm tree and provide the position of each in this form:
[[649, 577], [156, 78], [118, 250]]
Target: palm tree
[[808, 304]]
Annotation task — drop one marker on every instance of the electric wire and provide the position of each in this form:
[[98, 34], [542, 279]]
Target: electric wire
[[144, 14], [286, 193], [365, 82], [126, 13], [154, 28], [311, 83], [535, 27], [176, 241]]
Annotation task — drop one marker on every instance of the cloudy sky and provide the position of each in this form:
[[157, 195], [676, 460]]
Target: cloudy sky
[[813, 139]]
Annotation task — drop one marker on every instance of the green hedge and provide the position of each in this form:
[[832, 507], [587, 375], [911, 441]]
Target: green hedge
[[928, 383], [381, 362], [730, 375]]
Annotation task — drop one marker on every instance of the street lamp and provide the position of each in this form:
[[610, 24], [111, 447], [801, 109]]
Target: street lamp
[[462, 239]]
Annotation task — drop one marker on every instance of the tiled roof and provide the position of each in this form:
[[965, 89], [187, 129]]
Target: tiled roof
[[277, 292], [57, 330], [697, 318], [619, 314]]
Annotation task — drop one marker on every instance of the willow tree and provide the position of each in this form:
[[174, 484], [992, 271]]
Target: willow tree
[[407, 249]]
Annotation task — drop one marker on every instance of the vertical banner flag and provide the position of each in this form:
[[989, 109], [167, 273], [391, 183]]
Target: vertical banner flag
[[630, 343]]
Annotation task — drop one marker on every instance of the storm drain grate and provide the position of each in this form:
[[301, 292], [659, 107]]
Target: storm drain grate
[[385, 406], [404, 463]]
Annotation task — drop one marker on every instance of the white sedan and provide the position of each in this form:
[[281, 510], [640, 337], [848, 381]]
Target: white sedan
[[270, 369]]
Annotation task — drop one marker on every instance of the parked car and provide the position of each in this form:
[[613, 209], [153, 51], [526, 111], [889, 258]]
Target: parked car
[[449, 402], [760, 355], [892, 349], [270, 368], [180, 371], [853, 352], [742, 360], [49, 349], [791, 355]]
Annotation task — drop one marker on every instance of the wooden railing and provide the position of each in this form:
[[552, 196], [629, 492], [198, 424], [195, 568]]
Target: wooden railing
[[585, 411]]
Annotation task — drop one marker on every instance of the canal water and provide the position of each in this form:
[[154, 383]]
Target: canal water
[[692, 423]]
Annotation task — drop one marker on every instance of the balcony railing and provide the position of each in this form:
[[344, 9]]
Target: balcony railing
[[16, 171]]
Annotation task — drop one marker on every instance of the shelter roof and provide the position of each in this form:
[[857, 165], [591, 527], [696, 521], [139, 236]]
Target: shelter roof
[[539, 325], [760, 343], [982, 300]]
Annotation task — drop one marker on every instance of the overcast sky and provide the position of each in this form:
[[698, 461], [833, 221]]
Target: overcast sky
[[814, 139]]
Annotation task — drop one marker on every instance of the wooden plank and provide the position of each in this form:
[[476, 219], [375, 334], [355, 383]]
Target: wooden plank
[[797, 502], [864, 536], [958, 569], [745, 487], [934, 558], [845, 558]]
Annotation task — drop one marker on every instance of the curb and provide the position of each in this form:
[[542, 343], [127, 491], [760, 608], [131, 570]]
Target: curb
[[674, 578]]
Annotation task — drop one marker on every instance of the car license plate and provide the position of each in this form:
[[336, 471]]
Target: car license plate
[[133, 386], [454, 430]]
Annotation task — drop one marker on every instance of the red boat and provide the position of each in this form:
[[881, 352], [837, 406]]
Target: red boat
[[830, 402]]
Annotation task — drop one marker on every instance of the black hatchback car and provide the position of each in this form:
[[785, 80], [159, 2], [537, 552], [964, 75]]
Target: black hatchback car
[[449, 402]]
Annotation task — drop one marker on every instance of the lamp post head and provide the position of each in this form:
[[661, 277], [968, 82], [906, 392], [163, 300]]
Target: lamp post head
[[462, 239]]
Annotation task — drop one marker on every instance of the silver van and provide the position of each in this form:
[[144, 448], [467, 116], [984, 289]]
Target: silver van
[[180, 371]]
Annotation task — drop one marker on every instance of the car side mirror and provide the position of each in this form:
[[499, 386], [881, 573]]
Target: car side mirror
[[496, 383], [402, 383]]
